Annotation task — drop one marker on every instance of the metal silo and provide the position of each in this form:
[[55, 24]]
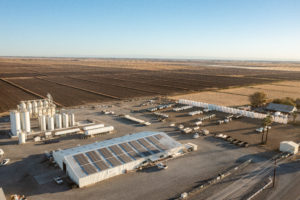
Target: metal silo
[[58, 121], [15, 122], [65, 120], [43, 122], [72, 119], [25, 121], [50, 123], [22, 138]]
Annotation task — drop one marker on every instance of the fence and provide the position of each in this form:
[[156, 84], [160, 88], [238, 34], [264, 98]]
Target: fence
[[278, 119]]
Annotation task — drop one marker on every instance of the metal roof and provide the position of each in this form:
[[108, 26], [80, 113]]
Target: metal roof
[[100, 156], [281, 107]]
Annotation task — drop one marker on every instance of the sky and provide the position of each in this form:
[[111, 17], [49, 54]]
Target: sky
[[189, 29]]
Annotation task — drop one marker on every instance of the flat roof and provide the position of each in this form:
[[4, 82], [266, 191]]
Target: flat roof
[[100, 156]]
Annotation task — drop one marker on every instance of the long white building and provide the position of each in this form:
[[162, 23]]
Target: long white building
[[95, 162]]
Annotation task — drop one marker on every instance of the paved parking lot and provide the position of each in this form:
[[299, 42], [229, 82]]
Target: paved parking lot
[[29, 173]]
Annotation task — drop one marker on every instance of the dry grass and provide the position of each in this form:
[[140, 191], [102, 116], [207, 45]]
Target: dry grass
[[239, 96]]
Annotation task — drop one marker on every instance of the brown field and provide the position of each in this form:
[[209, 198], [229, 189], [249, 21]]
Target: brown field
[[239, 96], [73, 81]]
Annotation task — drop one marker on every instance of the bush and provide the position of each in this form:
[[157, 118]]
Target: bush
[[258, 99], [286, 101]]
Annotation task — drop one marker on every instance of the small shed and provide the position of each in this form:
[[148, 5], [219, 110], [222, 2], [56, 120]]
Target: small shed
[[289, 147], [281, 108]]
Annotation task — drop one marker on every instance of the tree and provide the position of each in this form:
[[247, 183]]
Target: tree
[[266, 123], [297, 101], [286, 101], [258, 99], [294, 116]]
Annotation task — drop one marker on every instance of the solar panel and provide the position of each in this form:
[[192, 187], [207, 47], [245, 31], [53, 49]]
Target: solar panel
[[85, 164], [81, 159], [128, 149], [93, 156], [148, 146], [141, 149], [89, 169], [158, 136], [124, 158], [157, 143], [101, 165], [116, 149], [97, 161], [120, 154], [109, 157]]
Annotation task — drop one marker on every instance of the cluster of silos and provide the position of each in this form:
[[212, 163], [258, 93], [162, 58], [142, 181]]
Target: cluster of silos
[[56, 121], [38, 107]]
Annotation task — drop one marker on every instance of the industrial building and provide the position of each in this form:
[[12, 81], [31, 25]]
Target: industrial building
[[281, 108], [44, 112], [95, 162]]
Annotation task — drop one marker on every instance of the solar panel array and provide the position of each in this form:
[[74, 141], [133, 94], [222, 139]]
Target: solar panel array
[[118, 154], [157, 143]]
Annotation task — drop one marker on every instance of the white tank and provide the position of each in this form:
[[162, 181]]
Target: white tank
[[25, 121], [40, 104], [72, 119], [50, 124], [15, 122], [46, 103], [34, 107], [99, 130], [43, 122], [93, 127], [29, 107], [58, 121], [65, 120], [53, 110], [22, 138], [22, 105]]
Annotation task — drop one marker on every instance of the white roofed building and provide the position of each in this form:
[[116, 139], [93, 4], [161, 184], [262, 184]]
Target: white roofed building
[[95, 162]]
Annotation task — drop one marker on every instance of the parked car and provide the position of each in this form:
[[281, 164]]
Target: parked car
[[161, 166], [261, 129], [196, 135], [58, 180], [4, 162]]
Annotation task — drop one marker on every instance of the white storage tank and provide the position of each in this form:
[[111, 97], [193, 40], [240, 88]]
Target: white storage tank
[[46, 103], [65, 120], [58, 121], [72, 119], [43, 122], [98, 130], [22, 138], [50, 124], [34, 107], [289, 147], [22, 105], [40, 104], [74, 130], [53, 110], [93, 127], [29, 107], [15, 122], [25, 121]]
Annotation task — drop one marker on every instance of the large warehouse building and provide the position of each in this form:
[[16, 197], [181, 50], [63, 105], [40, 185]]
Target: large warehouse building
[[95, 162]]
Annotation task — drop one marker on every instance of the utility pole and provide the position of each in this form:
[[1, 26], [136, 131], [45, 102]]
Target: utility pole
[[274, 175]]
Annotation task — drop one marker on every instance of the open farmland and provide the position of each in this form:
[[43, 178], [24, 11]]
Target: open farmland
[[80, 81], [240, 96]]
